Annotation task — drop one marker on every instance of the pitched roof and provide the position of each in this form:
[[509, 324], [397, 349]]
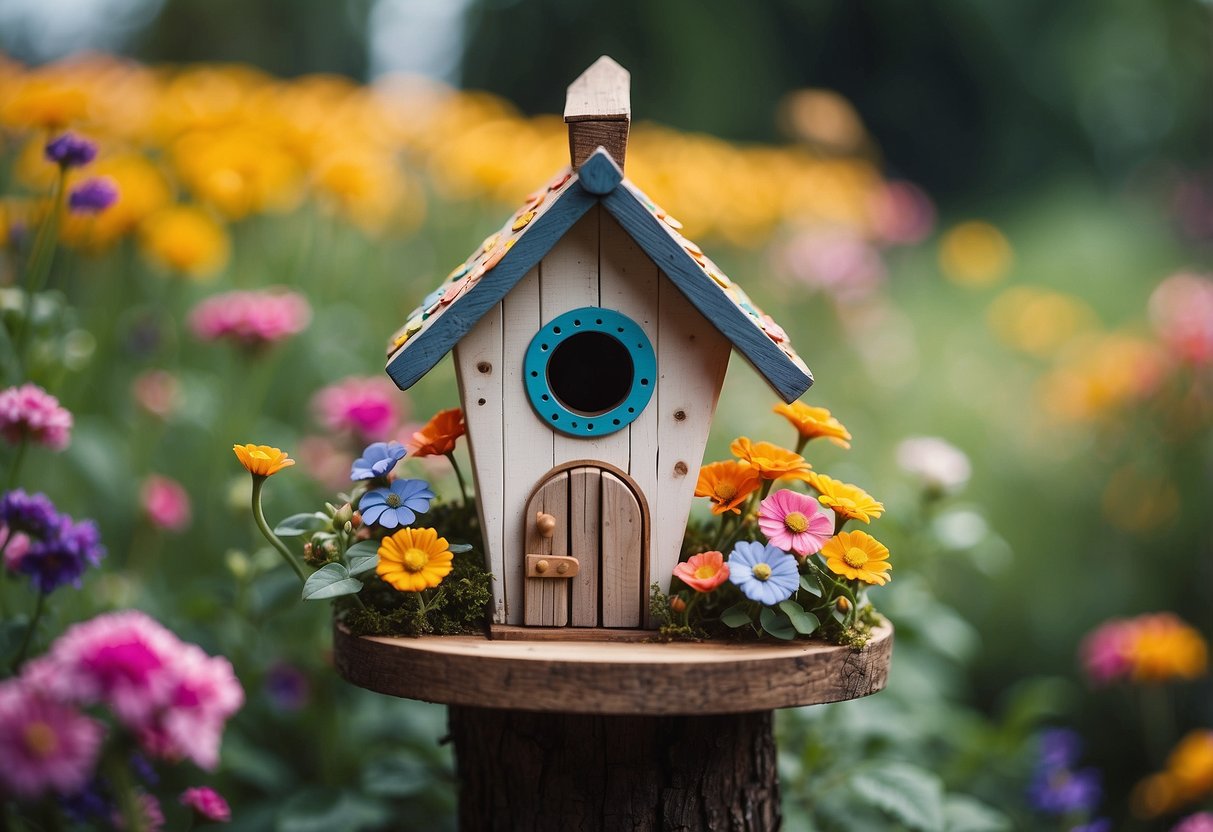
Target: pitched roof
[[505, 257]]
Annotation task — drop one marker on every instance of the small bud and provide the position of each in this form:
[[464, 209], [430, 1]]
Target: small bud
[[843, 605], [343, 515], [677, 604], [356, 518], [348, 527], [331, 509]]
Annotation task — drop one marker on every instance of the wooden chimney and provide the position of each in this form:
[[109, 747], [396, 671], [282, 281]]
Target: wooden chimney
[[598, 110]]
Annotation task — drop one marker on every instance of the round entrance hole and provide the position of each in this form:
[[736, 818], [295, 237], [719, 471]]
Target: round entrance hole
[[590, 372]]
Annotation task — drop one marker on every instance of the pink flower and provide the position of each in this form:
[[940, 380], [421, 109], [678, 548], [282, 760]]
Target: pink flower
[[251, 319], [158, 392], [366, 407], [208, 804], [1105, 651], [44, 745], [14, 550], [703, 572], [171, 694], [30, 413], [166, 503], [901, 213], [1181, 309], [149, 808], [1199, 822], [794, 522], [835, 261]]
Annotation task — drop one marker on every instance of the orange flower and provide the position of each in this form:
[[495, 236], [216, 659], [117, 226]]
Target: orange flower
[[1188, 777], [727, 484], [771, 461], [858, 555], [846, 500], [439, 434], [1163, 647], [703, 572], [814, 422], [262, 460]]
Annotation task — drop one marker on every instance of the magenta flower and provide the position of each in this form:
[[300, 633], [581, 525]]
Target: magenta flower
[[1105, 651], [251, 319], [30, 413], [794, 522], [14, 549], [208, 804], [93, 195], [1199, 822], [203, 696], [166, 503], [45, 746], [369, 408], [70, 151]]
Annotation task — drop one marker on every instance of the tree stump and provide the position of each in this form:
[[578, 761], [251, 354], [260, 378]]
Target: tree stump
[[564, 772], [599, 735]]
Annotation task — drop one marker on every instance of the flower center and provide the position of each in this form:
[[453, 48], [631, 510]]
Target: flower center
[[393, 500], [855, 557], [796, 522], [415, 560], [41, 739], [705, 572], [762, 571], [726, 491]]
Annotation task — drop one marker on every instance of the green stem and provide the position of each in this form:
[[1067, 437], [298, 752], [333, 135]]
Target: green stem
[[39, 607], [124, 791], [801, 441], [459, 476], [15, 471], [275, 541], [41, 259]]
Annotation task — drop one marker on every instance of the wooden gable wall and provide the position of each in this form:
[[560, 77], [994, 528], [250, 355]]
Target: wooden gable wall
[[595, 264]]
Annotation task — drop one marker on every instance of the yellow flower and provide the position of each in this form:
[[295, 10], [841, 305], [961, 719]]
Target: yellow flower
[[814, 422], [849, 501], [770, 460], [262, 460], [1163, 648], [858, 555], [727, 484], [414, 559], [187, 239], [45, 101], [974, 253]]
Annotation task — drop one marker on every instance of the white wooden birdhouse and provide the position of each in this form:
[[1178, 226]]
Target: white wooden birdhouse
[[591, 341]]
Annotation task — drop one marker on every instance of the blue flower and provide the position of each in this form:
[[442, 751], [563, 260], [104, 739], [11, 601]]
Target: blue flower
[[763, 573], [1064, 792], [397, 505], [377, 460], [70, 150]]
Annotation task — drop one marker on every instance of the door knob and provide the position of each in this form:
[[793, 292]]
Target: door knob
[[545, 523]]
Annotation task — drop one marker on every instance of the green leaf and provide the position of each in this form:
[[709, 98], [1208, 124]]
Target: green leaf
[[736, 616], [777, 624], [965, 814], [297, 524], [906, 792], [328, 810], [810, 584], [804, 622], [460, 548], [330, 581], [363, 556]]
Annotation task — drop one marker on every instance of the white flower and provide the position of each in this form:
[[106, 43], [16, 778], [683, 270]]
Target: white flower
[[938, 465]]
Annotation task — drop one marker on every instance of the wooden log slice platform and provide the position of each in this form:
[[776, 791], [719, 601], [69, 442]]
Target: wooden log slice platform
[[598, 736], [605, 677]]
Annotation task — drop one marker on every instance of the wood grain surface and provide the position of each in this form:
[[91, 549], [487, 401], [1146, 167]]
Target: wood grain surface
[[613, 677]]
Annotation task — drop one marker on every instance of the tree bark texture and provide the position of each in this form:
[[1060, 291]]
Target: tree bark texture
[[586, 773]]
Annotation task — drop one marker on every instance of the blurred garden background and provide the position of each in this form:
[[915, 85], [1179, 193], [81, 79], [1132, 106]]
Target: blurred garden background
[[989, 223]]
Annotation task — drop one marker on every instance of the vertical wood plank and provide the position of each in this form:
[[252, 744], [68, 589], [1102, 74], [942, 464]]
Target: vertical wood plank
[[585, 496], [479, 371], [526, 441], [547, 599], [622, 553], [691, 361]]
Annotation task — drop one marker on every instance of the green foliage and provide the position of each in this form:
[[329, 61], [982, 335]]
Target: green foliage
[[459, 605]]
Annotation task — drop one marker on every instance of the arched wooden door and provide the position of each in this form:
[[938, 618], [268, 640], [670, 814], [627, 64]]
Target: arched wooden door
[[586, 546]]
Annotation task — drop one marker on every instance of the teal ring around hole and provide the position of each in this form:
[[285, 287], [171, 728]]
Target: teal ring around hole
[[614, 324]]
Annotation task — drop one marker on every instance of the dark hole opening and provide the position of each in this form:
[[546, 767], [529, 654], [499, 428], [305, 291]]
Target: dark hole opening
[[590, 372]]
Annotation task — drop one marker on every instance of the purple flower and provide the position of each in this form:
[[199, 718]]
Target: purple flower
[[287, 687], [1059, 748], [64, 557], [31, 514], [397, 505], [92, 196], [1098, 825], [71, 151], [1062, 791], [766, 574], [377, 460]]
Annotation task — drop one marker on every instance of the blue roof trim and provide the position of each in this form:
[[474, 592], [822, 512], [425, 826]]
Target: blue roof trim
[[785, 376]]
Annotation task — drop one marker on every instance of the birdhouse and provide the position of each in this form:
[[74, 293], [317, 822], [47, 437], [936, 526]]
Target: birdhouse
[[591, 340]]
